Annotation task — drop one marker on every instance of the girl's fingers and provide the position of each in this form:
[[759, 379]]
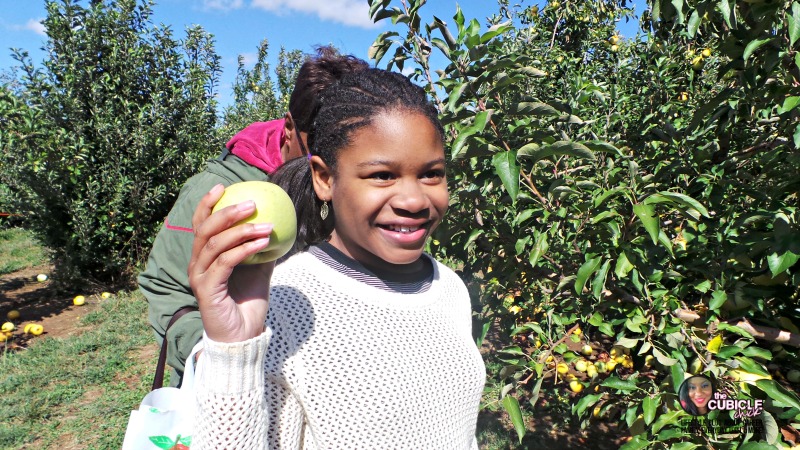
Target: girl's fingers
[[206, 204], [230, 246]]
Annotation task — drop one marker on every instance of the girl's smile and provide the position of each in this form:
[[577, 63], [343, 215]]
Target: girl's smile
[[388, 190]]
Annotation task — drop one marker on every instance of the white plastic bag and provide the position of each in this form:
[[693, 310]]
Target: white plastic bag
[[165, 418]]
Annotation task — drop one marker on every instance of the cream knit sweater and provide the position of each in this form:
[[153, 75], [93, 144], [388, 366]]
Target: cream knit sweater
[[344, 365]]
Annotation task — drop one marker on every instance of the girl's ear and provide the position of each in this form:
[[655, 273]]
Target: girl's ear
[[322, 177], [288, 126]]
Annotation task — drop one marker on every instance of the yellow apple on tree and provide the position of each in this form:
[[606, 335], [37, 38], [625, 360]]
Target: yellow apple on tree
[[274, 206]]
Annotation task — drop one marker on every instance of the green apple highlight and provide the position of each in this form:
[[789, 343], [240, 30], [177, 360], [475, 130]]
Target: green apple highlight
[[273, 206]]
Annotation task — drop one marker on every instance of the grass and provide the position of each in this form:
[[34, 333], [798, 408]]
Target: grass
[[77, 392], [19, 250]]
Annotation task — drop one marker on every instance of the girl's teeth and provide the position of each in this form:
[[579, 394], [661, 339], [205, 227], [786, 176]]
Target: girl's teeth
[[404, 229]]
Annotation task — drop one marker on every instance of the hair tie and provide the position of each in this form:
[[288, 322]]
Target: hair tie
[[308, 156]]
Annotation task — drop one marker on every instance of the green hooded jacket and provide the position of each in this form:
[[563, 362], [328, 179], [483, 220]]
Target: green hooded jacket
[[165, 281]]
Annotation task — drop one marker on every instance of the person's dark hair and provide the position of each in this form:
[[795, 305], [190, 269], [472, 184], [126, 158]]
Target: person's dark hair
[[316, 74], [686, 401], [347, 106]]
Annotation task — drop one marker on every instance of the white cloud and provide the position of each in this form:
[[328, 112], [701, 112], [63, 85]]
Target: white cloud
[[36, 26], [347, 12], [224, 5], [249, 59]]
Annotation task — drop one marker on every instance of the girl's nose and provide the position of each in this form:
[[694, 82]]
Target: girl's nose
[[411, 197]]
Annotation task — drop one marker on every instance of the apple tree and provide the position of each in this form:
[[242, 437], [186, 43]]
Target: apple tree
[[118, 116], [625, 208]]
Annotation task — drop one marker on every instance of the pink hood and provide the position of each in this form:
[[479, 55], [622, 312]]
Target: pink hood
[[259, 144]]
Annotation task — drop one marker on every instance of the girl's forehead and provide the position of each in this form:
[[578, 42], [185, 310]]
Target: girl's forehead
[[698, 381]]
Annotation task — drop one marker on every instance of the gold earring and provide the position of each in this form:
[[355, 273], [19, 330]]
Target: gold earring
[[323, 212]]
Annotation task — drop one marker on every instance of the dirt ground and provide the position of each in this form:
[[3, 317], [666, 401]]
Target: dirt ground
[[39, 302]]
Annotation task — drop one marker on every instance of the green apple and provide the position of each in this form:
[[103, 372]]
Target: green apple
[[273, 206]]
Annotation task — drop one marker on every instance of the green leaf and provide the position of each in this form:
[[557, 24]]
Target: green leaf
[[646, 214], [559, 148], [780, 263], [600, 280], [796, 135], [718, 298], [666, 419], [585, 271], [484, 331], [478, 125], [678, 199], [677, 372], [615, 382], [539, 249], [511, 405], [637, 443], [793, 24], [727, 13], [534, 109], [757, 446], [532, 71], [664, 359], [678, 4], [684, 446], [603, 146], [789, 104], [162, 442], [506, 167], [442, 46], [448, 37], [771, 429], [585, 402], [694, 24], [779, 393], [649, 406], [623, 266], [454, 97], [473, 236], [753, 46]]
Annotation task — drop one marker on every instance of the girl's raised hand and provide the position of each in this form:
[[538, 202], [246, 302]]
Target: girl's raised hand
[[233, 299]]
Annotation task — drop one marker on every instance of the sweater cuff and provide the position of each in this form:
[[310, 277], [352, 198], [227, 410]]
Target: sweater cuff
[[233, 368]]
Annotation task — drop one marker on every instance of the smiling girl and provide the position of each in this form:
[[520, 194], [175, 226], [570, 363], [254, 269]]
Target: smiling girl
[[367, 340], [695, 393]]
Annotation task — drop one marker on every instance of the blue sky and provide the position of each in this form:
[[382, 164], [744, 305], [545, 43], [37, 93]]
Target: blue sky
[[239, 25]]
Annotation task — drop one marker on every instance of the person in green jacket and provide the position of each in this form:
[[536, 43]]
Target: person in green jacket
[[253, 154]]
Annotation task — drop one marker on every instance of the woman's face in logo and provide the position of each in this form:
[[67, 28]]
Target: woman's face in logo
[[700, 392]]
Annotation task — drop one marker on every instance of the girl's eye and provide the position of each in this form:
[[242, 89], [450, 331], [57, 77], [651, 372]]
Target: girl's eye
[[382, 176], [434, 174]]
